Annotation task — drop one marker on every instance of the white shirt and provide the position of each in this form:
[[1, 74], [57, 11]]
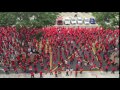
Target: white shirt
[[29, 49], [67, 69], [78, 62], [71, 69], [85, 64], [65, 62], [33, 50], [30, 53]]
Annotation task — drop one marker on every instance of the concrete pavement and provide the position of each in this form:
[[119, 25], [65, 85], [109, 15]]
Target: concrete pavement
[[85, 74]]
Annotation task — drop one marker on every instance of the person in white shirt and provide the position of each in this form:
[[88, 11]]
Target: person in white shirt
[[34, 50], [79, 63], [29, 49], [66, 62], [71, 70], [30, 53]]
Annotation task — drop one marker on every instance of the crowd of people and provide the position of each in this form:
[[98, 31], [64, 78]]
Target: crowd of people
[[73, 49]]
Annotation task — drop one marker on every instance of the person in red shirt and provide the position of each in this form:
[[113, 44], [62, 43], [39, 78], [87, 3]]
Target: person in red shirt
[[77, 66], [13, 63], [32, 74], [113, 70], [15, 69], [24, 68], [42, 65], [58, 64], [6, 71], [100, 65], [48, 64], [71, 61], [41, 74], [113, 62], [36, 70], [30, 68], [108, 63], [106, 68], [81, 70]]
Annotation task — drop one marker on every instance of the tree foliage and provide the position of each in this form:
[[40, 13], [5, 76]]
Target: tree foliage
[[107, 19], [27, 19]]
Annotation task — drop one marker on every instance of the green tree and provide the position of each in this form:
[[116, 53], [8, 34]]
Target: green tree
[[108, 20], [27, 19]]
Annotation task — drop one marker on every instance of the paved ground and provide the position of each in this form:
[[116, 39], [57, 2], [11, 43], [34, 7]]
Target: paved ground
[[86, 74]]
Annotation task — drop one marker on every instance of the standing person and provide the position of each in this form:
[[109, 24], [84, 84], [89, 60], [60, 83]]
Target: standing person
[[42, 65], [15, 69], [30, 68], [77, 66], [108, 63], [113, 70], [81, 70], [32, 74], [67, 70], [71, 61], [58, 64], [6, 71], [41, 74], [48, 64], [100, 65], [71, 70], [51, 73], [66, 62], [8, 66], [36, 69], [106, 68], [56, 73], [59, 70], [113, 62]]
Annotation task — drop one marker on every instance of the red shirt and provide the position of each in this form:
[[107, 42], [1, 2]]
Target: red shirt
[[55, 72], [30, 68], [15, 69], [77, 66], [5, 69], [45, 69], [58, 63], [13, 62], [106, 67], [32, 73], [42, 64], [113, 69], [40, 72], [75, 72], [36, 69], [51, 71], [18, 57], [81, 69], [109, 63]]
